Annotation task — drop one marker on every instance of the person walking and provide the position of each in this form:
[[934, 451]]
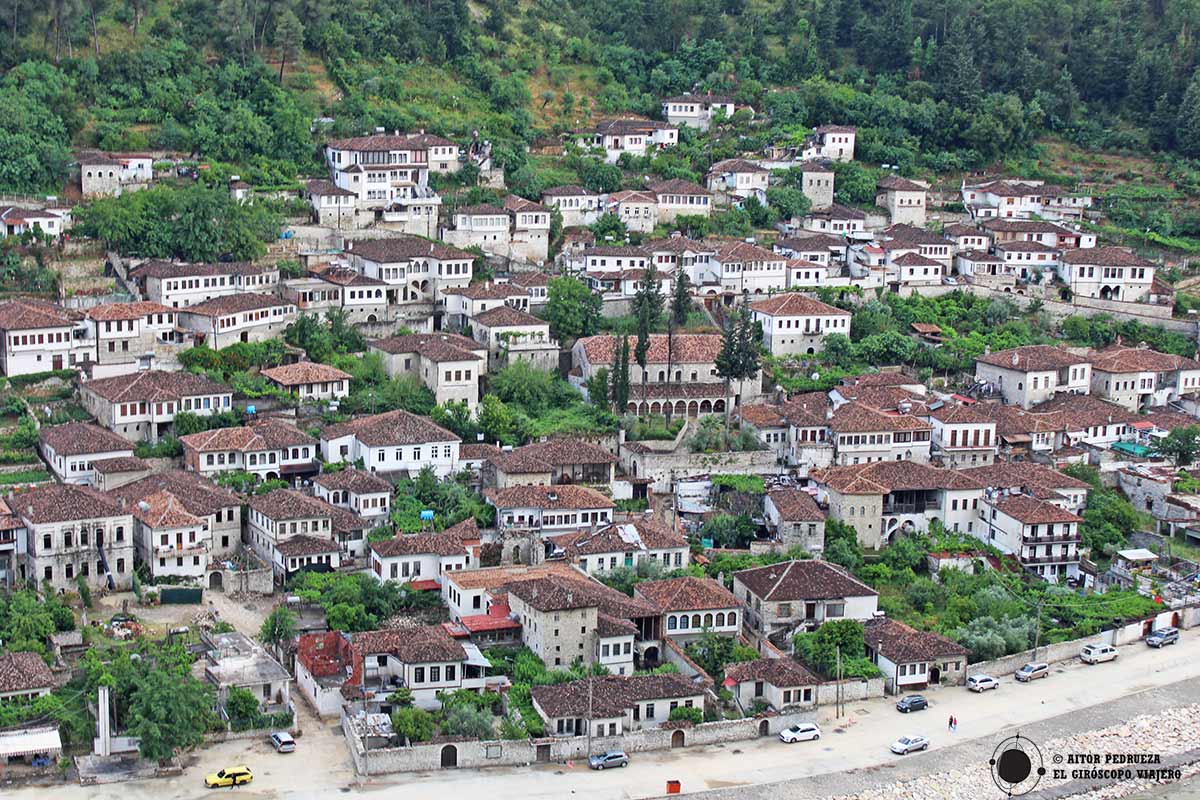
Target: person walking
[[950, 723], [954, 724]]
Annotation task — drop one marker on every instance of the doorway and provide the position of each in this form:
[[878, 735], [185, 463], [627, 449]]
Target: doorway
[[449, 757], [677, 739]]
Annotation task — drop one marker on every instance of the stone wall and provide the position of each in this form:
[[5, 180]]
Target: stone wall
[[522, 752], [661, 465], [1093, 306], [1066, 651], [852, 691]]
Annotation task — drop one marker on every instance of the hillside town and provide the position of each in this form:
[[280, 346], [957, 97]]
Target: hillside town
[[443, 476]]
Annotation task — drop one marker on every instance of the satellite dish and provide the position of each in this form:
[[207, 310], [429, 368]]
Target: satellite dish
[[815, 376]]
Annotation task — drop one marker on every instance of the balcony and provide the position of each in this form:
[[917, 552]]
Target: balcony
[[1056, 538], [1059, 559]]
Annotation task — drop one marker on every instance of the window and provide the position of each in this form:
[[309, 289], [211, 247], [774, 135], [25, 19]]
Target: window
[[419, 675], [649, 710], [435, 674]]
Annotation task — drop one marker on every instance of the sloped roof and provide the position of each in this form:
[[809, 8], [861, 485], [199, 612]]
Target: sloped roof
[[794, 304], [686, 594], [802, 580], [83, 438], [391, 428]]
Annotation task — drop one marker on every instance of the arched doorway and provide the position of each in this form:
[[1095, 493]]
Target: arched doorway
[[215, 581], [677, 739], [764, 728], [516, 554], [935, 675], [650, 656], [449, 757]]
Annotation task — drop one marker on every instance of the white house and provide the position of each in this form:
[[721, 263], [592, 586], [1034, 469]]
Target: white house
[[738, 179], [910, 659], [697, 110], [141, 406], [1042, 535], [801, 595], [37, 337], [637, 137], [234, 318], [963, 435], [271, 449], [1108, 273], [794, 323], [1139, 378], [577, 205], [1032, 374], [309, 381], [904, 200], [550, 509], [70, 450], [72, 531], [691, 607], [392, 442]]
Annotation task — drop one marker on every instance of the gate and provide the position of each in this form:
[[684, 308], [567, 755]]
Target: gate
[[180, 595], [449, 757]]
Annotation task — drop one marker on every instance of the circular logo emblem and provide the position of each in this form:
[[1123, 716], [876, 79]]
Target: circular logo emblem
[[1017, 765]]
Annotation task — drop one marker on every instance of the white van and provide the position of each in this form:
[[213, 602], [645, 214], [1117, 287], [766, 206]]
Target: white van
[[1095, 653]]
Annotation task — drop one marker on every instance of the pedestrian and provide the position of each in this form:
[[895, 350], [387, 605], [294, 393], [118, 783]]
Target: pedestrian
[[950, 723], [954, 724]]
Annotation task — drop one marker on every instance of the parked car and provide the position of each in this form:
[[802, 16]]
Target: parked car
[[802, 732], [909, 744], [1163, 637], [1032, 671], [914, 702], [230, 776], [283, 742], [1095, 653], [981, 683], [613, 758]]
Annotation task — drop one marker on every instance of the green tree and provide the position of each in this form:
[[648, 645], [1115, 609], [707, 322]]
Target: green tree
[[1187, 126], [496, 420], [621, 384], [412, 724], [85, 591], [241, 704], [647, 309], [609, 226], [841, 545], [468, 721], [688, 714], [681, 298], [278, 630], [790, 202], [1181, 445], [289, 38], [168, 712], [738, 358], [572, 310], [598, 389], [402, 697], [957, 78]]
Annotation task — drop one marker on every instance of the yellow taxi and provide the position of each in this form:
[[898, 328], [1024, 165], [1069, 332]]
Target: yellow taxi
[[230, 776]]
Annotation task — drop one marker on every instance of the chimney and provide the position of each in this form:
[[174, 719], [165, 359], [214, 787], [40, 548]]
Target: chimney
[[570, 597]]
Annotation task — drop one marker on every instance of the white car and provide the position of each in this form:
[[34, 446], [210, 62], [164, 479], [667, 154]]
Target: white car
[[802, 732], [909, 744], [981, 683], [1096, 653]]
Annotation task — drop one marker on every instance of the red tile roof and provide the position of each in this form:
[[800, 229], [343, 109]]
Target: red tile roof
[[794, 304], [83, 438], [686, 594], [1032, 358], [687, 348], [304, 372], [802, 580]]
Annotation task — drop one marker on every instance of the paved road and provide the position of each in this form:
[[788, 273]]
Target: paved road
[[851, 756]]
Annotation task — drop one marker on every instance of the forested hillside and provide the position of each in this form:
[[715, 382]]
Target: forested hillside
[[934, 85]]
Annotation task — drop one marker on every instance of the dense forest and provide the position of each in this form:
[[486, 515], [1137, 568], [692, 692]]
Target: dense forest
[[935, 85]]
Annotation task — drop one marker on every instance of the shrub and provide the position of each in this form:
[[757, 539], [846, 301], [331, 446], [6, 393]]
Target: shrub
[[688, 714]]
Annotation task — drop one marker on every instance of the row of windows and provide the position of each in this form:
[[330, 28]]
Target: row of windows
[[699, 622], [84, 567], [39, 338], [68, 537]]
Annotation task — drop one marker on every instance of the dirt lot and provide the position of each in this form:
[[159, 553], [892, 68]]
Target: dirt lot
[[245, 614]]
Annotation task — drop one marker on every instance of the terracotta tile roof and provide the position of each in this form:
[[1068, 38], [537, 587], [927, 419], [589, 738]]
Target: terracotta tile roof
[[858, 417], [796, 505], [343, 520], [24, 672], [802, 580], [686, 594], [744, 252], [112, 466], [548, 594], [19, 315], [902, 644], [64, 502], [817, 242], [608, 626], [678, 186], [611, 696], [1085, 411], [915, 260], [495, 578], [386, 141], [391, 428], [882, 477], [700, 99], [234, 304], [962, 414], [520, 204], [405, 248], [807, 410], [959, 229], [779, 672], [1022, 226], [305, 545], [882, 378], [353, 480], [620, 537], [1025, 247], [287, 504], [304, 372], [478, 452], [153, 386], [1123, 360], [735, 165], [762, 415], [1032, 358], [83, 438], [631, 196], [794, 304], [688, 348], [164, 510], [626, 127], [1014, 420], [903, 233], [519, 462], [568, 191], [548, 498], [154, 268], [439, 347], [835, 129], [529, 279], [124, 311], [566, 451], [328, 189], [488, 290], [481, 209], [420, 645], [411, 544], [1031, 511], [270, 434], [980, 257], [895, 183], [1105, 257], [886, 398], [344, 276], [198, 495], [681, 391], [503, 316]]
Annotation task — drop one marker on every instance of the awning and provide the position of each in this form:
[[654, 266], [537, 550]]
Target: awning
[[475, 658], [37, 741]]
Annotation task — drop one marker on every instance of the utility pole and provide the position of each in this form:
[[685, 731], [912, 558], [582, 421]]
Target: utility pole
[[837, 698], [1037, 640], [588, 721]]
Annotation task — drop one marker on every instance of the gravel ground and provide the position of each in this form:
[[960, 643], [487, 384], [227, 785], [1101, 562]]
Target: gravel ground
[[1165, 721]]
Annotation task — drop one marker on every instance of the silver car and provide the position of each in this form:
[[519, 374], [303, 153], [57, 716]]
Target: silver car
[[283, 742], [909, 744]]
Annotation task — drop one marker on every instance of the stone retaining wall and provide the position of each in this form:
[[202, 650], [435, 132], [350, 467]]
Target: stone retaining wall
[[521, 752]]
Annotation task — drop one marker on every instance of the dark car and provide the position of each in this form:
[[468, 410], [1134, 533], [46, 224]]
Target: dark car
[[914, 702]]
